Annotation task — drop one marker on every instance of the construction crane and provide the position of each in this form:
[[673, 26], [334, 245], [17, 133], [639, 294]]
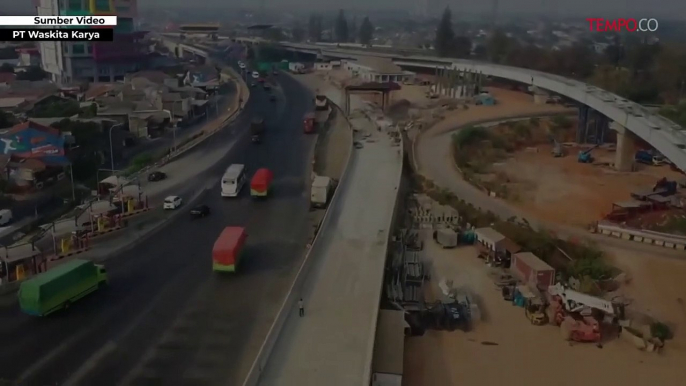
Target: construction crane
[[585, 156], [572, 311]]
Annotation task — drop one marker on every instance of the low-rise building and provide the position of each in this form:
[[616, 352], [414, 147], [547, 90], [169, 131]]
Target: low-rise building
[[372, 69]]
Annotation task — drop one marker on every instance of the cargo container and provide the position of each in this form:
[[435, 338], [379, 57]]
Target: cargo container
[[57, 288], [228, 249], [528, 268], [321, 191], [447, 238], [308, 123], [261, 183]]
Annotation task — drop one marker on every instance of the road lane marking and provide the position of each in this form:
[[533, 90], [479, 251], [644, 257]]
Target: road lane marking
[[90, 364]]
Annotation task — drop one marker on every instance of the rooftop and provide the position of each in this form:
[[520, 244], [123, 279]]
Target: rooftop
[[533, 261]]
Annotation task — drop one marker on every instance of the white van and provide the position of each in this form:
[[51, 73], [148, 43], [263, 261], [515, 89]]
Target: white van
[[5, 217], [233, 180]]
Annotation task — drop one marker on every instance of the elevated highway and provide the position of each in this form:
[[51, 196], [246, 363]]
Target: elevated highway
[[333, 343], [629, 119]]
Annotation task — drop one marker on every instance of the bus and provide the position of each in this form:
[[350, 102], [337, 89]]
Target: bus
[[233, 180]]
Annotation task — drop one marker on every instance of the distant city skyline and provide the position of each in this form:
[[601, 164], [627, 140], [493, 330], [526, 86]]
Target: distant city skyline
[[672, 9]]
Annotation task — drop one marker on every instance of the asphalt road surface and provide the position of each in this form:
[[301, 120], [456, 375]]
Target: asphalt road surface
[[167, 319]]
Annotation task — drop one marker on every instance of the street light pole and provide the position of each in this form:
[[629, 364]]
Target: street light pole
[[71, 175], [112, 147]]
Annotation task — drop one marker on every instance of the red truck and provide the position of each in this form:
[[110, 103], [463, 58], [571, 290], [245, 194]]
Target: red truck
[[261, 182], [227, 250], [308, 123]]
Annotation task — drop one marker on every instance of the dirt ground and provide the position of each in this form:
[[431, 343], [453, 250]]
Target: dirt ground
[[565, 191], [506, 349]]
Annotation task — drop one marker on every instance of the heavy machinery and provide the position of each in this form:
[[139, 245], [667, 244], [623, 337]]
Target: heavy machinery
[[573, 312], [585, 156], [665, 187], [534, 309]]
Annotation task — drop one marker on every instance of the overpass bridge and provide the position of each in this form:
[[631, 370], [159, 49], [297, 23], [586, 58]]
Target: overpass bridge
[[630, 120]]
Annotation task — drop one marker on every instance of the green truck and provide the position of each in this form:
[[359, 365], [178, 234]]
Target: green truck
[[57, 288]]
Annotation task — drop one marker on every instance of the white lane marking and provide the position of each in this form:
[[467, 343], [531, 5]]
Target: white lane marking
[[90, 364]]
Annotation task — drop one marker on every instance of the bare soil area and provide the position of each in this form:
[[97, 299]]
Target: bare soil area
[[505, 349], [564, 191]]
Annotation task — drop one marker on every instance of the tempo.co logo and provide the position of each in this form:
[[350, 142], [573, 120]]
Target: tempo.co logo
[[599, 24]]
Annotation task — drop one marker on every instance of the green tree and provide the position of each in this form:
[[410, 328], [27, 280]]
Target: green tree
[[298, 32], [314, 28], [7, 120], [445, 37], [498, 46], [33, 74], [462, 47], [341, 27], [366, 31], [90, 140], [58, 108], [353, 30]]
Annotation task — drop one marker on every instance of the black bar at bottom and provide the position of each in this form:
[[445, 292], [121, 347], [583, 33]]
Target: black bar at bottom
[[61, 34]]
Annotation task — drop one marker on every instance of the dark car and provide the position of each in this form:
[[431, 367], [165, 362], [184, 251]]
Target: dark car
[[253, 84], [272, 98], [267, 86], [156, 176], [200, 211]]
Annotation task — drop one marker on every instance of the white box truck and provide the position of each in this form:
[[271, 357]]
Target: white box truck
[[446, 237], [321, 191]]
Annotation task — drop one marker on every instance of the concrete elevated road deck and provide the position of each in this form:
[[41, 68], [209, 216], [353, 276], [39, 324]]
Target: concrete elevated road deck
[[332, 344]]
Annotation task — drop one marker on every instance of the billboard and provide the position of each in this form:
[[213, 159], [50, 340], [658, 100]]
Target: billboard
[[33, 143]]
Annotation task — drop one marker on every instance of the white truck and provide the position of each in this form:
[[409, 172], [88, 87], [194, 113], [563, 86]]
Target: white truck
[[322, 187], [446, 237]]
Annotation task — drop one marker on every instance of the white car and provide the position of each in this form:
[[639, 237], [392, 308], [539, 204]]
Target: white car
[[241, 65], [255, 75], [172, 202]]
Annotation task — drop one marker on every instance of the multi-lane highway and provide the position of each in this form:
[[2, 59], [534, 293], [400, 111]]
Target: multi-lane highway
[[167, 319]]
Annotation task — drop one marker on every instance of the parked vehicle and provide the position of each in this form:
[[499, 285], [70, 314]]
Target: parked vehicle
[[59, 287], [309, 123], [156, 176], [261, 183], [446, 237], [648, 158], [322, 188], [172, 202], [200, 211], [5, 217], [228, 249], [257, 128]]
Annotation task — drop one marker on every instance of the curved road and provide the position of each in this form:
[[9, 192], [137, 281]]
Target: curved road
[[167, 318], [435, 162]]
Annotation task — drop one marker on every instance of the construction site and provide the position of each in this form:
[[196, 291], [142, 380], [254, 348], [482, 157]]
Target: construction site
[[475, 296], [474, 299]]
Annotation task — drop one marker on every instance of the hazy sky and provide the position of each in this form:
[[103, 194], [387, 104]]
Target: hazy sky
[[586, 8]]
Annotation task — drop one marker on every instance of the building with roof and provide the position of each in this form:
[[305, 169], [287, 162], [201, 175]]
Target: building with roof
[[374, 69], [68, 62], [32, 154]]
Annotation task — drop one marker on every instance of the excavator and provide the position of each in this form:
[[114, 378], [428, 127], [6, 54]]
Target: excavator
[[585, 156], [573, 312]]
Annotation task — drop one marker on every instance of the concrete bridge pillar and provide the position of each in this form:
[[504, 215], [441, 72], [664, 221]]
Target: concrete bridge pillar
[[540, 96], [626, 148]]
